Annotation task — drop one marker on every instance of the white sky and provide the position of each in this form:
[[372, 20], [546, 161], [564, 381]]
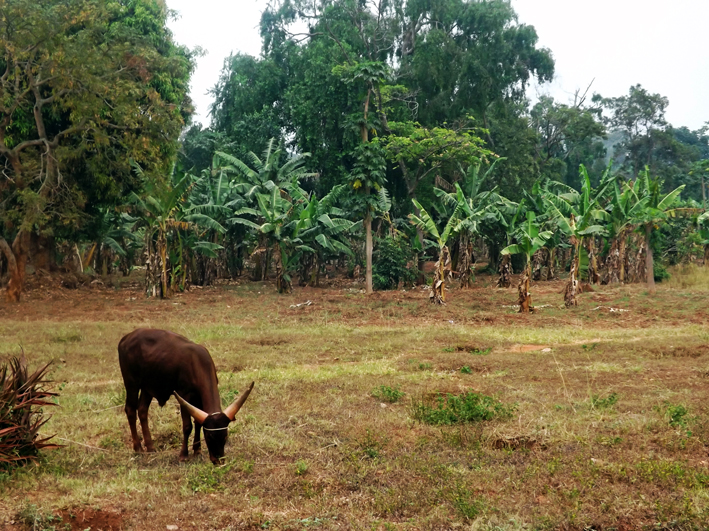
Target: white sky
[[617, 43]]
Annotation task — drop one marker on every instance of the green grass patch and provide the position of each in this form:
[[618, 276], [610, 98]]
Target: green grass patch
[[446, 409], [388, 394]]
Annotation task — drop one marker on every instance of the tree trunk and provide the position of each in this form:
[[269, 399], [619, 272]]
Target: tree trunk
[[551, 264], [504, 280], [572, 286], [593, 276], [537, 260], [464, 261], [706, 255], [614, 262], [282, 284], [623, 250], [525, 297], [649, 263], [438, 287], [368, 250], [14, 286]]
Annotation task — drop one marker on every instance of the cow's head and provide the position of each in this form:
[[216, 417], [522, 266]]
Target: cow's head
[[216, 425]]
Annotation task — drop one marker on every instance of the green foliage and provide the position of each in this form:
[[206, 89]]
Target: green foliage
[[388, 394], [599, 402], [677, 415], [466, 504], [301, 467], [468, 407], [205, 477], [62, 58], [529, 238], [466, 370], [660, 272], [390, 265], [22, 396]]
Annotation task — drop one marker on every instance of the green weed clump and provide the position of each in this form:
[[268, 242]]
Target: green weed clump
[[21, 397], [677, 415], [388, 394], [604, 403], [301, 467], [208, 478], [441, 410]]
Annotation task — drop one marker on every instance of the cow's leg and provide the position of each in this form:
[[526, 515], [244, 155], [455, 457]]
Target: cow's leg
[[186, 430], [131, 409], [143, 407], [197, 444]]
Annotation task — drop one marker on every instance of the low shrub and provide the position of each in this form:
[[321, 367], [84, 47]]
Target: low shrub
[[390, 263]]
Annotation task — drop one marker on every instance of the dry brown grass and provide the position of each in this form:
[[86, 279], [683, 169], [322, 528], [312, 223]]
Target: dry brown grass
[[313, 448]]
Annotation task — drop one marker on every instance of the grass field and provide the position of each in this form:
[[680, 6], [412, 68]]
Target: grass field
[[605, 424]]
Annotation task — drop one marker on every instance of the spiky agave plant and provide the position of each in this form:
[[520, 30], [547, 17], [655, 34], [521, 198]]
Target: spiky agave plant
[[22, 396]]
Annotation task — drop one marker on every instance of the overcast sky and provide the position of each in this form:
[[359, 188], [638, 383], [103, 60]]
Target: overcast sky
[[614, 43]]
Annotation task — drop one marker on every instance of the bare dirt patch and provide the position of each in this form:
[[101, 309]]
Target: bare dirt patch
[[83, 518]]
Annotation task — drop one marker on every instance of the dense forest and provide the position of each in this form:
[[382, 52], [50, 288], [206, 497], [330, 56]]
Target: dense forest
[[368, 137]]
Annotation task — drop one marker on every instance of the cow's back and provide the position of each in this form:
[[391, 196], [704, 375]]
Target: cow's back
[[159, 362]]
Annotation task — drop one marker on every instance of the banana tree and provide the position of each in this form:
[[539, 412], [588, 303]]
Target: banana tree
[[322, 226], [474, 207], [511, 215], [658, 209], [703, 224], [260, 177], [578, 216], [113, 235], [624, 208], [529, 240], [278, 225], [425, 223], [160, 212]]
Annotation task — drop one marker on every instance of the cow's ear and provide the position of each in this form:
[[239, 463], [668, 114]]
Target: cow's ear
[[194, 412], [235, 406]]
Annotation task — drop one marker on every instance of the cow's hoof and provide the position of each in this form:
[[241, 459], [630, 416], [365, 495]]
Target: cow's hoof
[[151, 450], [183, 458]]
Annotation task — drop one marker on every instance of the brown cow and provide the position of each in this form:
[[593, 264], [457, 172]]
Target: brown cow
[[158, 363]]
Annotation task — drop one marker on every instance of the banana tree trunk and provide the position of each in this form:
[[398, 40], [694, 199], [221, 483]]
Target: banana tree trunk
[[464, 261], [162, 253], [438, 288], [368, 250], [283, 283], [622, 252], [525, 297], [551, 264], [616, 267], [152, 267], [504, 280], [537, 260], [649, 263], [572, 286], [593, 276]]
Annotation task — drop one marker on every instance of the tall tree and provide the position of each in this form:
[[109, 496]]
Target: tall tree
[[85, 86]]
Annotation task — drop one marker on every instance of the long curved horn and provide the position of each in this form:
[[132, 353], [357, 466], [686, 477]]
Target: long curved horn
[[235, 406], [196, 413]]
